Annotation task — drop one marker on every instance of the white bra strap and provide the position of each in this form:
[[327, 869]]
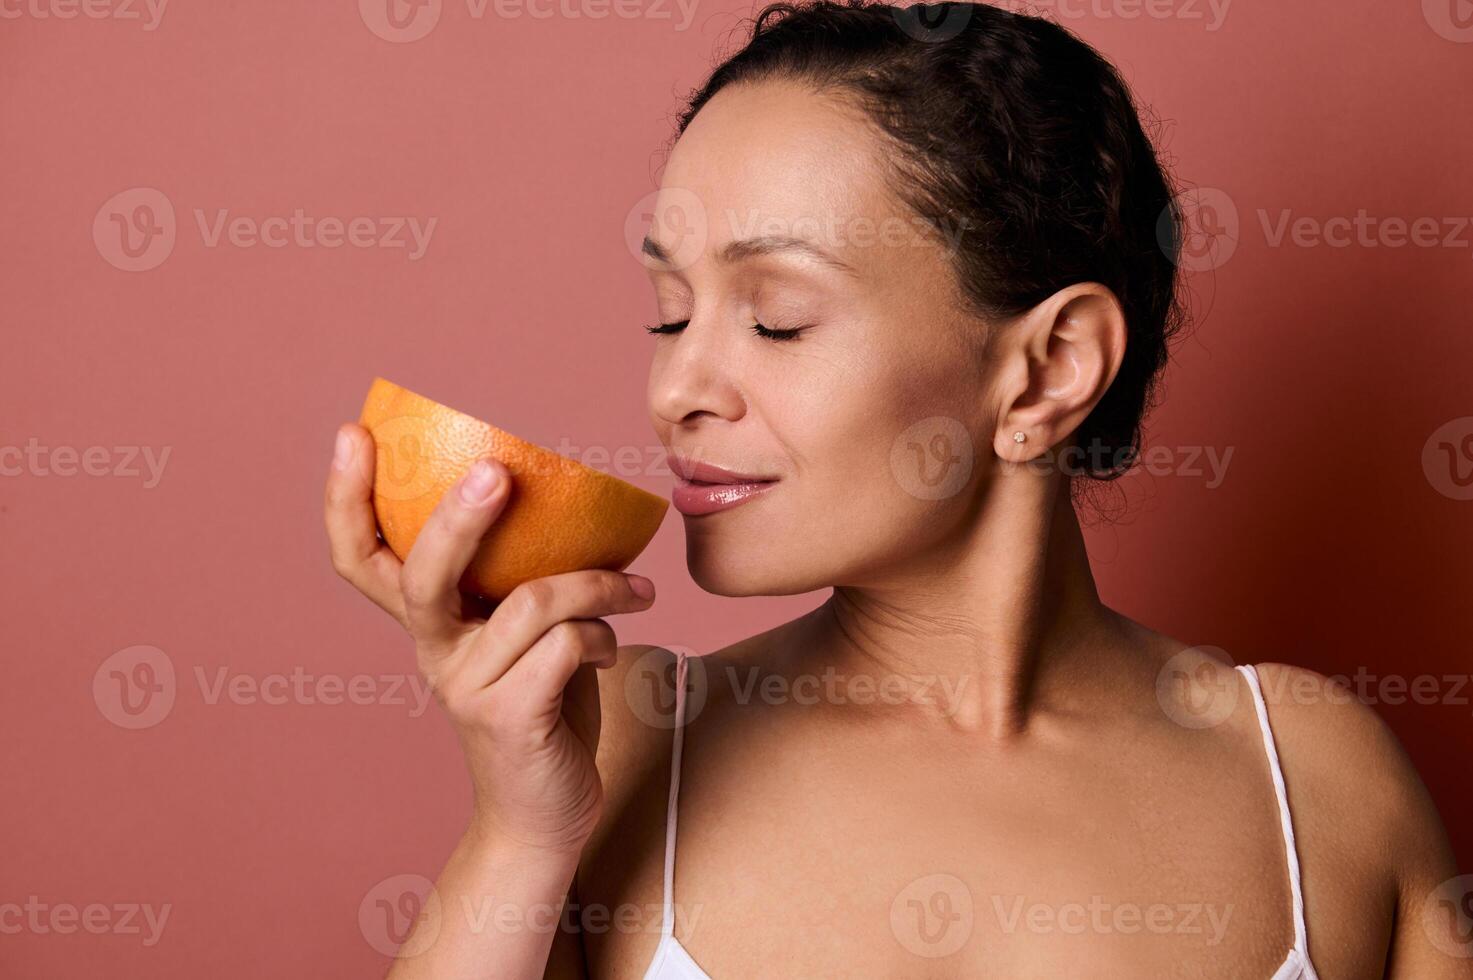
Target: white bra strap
[[667, 924], [1286, 822]]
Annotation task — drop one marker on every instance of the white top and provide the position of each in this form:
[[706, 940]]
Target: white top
[[672, 962]]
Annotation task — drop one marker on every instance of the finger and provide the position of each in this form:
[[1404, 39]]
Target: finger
[[535, 607], [445, 546], [352, 531], [539, 676]]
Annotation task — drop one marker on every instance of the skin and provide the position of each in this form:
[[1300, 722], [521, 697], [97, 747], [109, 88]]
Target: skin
[[1025, 753]]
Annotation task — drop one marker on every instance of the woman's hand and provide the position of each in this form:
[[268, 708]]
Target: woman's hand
[[519, 684]]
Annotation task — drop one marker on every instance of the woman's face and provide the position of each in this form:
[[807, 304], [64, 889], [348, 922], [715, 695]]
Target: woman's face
[[774, 210]]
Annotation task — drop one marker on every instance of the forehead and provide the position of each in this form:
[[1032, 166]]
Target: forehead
[[779, 159]]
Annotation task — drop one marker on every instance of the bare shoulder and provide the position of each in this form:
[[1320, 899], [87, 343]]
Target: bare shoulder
[[636, 702], [1343, 752], [1346, 770], [621, 869], [619, 873]]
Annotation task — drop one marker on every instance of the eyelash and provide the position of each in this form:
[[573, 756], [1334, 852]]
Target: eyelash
[[757, 328]]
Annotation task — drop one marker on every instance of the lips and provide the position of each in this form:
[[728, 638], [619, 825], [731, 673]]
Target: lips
[[705, 488]]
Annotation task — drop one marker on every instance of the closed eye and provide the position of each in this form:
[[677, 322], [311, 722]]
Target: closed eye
[[771, 333], [774, 333]]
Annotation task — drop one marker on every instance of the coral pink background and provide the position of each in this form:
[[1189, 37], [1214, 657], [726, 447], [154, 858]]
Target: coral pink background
[[531, 140]]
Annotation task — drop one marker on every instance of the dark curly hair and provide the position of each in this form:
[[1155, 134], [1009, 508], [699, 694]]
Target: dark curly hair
[[1021, 138]]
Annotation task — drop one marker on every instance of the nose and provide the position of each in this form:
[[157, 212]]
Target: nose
[[693, 377]]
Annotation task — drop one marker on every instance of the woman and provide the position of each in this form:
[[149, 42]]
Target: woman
[[916, 278]]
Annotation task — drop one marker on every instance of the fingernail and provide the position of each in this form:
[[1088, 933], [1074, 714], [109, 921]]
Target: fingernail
[[641, 586], [342, 450], [479, 483]]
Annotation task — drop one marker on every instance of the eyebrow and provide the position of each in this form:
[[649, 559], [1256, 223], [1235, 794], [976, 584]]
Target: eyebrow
[[736, 251]]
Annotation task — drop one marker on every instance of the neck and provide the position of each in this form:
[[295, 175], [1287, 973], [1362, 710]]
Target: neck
[[989, 618]]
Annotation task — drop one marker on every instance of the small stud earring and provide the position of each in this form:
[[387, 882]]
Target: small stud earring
[[1019, 436]]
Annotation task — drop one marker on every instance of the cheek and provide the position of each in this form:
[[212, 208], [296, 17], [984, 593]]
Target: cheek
[[899, 443], [658, 389], [854, 418]]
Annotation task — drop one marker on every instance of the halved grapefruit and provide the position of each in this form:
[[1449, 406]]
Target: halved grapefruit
[[562, 515]]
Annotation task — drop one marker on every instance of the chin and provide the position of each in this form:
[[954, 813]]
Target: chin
[[752, 571]]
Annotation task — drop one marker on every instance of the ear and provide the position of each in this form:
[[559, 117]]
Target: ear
[[1058, 359]]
